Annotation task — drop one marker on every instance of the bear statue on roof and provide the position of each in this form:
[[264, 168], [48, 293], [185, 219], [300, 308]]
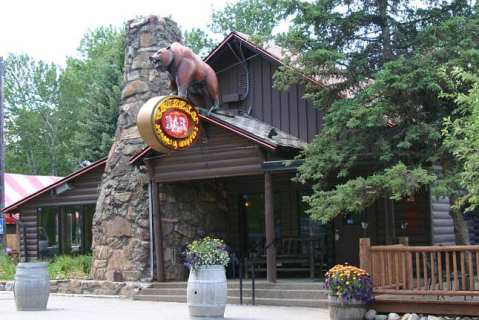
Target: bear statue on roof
[[191, 78]]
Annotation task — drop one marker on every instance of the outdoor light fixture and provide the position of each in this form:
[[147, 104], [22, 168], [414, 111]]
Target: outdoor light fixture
[[364, 226], [63, 188], [404, 225]]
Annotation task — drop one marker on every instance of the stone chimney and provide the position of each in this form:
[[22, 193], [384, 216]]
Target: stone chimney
[[121, 238]]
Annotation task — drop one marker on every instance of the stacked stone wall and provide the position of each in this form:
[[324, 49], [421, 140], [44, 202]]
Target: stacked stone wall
[[121, 238], [191, 210]]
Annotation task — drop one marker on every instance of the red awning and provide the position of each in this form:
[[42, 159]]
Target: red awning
[[19, 186]]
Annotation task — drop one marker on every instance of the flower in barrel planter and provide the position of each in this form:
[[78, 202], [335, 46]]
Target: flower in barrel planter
[[205, 252], [350, 290], [207, 291]]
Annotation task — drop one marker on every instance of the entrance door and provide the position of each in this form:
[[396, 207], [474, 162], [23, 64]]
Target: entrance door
[[252, 223], [347, 231]]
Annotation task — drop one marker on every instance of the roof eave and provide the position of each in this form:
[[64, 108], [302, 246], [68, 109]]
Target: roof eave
[[259, 49], [71, 176]]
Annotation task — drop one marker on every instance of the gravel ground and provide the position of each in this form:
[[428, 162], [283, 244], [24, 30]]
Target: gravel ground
[[88, 308]]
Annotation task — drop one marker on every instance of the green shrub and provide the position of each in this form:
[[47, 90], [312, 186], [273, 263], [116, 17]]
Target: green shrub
[[7, 267], [69, 267], [59, 268]]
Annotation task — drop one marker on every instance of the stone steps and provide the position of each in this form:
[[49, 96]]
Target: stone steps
[[309, 303], [297, 294], [247, 285], [262, 293]]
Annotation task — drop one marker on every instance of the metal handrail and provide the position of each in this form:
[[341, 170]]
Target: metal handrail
[[243, 269]]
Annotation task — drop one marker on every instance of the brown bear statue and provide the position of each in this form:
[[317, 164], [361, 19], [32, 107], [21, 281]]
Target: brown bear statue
[[190, 77]]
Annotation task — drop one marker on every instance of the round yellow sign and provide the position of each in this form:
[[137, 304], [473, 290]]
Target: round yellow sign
[[168, 123]]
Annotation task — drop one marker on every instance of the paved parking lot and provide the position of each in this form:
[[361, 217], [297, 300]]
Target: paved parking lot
[[87, 308]]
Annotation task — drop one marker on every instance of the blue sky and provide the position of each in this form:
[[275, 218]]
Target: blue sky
[[51, 29]]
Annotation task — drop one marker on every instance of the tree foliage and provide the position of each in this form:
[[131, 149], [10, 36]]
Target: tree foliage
[[462, 138], [33, 141], [56, 118], [385, 67], [198, 41], [256, 18], [91, 90]]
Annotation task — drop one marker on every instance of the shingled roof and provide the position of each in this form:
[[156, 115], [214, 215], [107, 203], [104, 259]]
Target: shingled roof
[[258, 129]]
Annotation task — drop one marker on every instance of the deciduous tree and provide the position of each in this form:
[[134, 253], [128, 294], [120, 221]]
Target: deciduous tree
[[33, 140]]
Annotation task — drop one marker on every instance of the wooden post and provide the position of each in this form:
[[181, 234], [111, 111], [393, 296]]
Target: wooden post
[[403, 240], [19, 240], [269, 228], [387, 223], [406, 261], [365, 254], [158, 235]]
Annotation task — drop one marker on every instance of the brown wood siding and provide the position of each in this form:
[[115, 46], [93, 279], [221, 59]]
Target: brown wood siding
[[85, 190], [28, 229], [286, 110], [217, 153], [442, 225]]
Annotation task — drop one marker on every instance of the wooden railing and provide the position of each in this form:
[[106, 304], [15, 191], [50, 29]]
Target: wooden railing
[[422, 270]]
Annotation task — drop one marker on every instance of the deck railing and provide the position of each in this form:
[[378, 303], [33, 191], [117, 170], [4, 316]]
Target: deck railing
[[422, 270]]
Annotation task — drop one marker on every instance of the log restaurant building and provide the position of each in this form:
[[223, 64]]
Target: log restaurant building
[[233, 183]]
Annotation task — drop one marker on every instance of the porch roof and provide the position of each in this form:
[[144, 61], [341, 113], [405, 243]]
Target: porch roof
[[257, 128], [247, 127]]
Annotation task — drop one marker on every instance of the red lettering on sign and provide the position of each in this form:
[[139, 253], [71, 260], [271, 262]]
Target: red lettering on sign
[[175, 124]]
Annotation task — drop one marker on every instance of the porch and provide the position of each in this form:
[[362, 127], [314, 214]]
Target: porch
[[235, 185], [285, 292], [423, 279], [234, 209]]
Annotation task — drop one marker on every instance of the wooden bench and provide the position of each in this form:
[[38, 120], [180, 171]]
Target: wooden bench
[[294, 257]]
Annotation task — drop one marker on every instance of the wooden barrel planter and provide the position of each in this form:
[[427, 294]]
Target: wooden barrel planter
[[346, 310], [32, 286], [207, 292]]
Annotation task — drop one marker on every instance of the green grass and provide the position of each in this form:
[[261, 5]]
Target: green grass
[[69, 267], [7, 267], [59, 268]]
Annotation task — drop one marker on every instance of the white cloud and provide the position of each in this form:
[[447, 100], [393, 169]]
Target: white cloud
[[52, 29]]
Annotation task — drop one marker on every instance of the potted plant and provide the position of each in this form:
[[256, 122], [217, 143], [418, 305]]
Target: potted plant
[[350, 291], [207, 291]]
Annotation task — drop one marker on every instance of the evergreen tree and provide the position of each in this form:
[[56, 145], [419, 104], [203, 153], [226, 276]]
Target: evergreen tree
[[90, 92], [462, 137], [384, 65]]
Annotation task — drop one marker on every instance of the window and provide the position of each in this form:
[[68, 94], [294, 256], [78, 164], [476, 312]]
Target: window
[[48, 231], [64, 230]]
